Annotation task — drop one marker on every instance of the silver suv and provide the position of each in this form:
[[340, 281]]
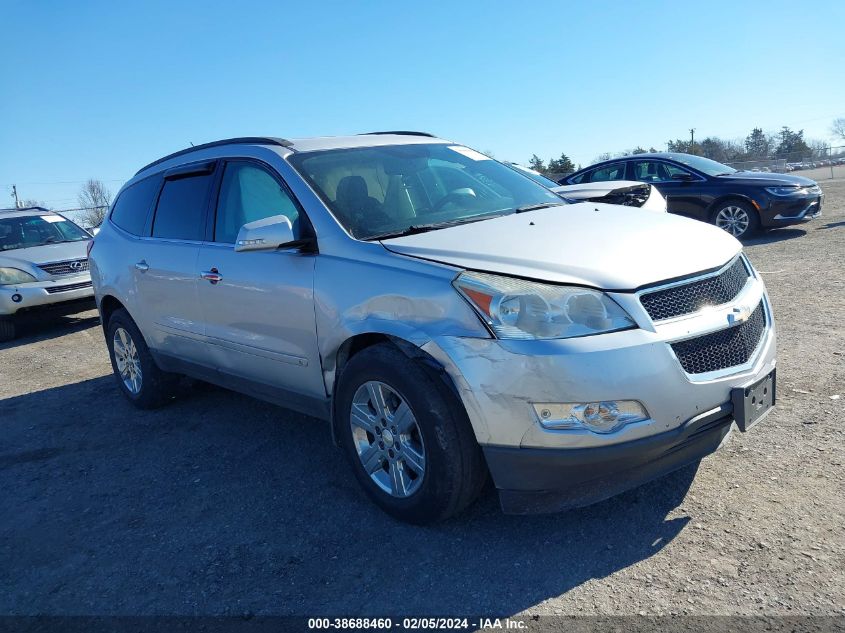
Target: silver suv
[[446, 314], [43, 267]]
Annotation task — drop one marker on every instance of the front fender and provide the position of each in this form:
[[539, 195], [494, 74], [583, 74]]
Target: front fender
[[402, 298]]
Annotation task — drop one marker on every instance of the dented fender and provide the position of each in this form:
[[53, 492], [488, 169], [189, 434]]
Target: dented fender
[[409, 300]]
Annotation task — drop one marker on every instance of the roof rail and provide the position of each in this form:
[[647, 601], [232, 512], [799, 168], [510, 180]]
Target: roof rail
[[253, 140], [400, 133]]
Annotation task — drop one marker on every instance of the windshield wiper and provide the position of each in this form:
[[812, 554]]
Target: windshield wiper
[[541, 205], [423, 228]]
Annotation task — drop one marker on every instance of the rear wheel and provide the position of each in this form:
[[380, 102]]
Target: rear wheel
[[407, 437], [139, 378], [737, 218]]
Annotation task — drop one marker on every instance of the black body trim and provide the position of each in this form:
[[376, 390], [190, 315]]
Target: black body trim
[[309, 405], [537, 480]]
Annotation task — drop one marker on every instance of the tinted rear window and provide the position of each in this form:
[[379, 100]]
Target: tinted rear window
[[132, 206], [181, 208]]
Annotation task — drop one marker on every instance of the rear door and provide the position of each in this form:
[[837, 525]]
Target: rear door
[[259, 305], [682, 196], [166, 270]]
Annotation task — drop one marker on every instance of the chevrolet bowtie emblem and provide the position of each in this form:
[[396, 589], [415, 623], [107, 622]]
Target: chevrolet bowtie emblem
[[739, 315]]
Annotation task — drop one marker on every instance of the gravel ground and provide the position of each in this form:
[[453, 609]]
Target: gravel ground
[[218, 504]]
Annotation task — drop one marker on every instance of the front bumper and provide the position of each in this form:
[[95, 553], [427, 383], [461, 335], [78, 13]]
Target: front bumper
[[549, 480], [788, 211], [60, 296], [499, 380]]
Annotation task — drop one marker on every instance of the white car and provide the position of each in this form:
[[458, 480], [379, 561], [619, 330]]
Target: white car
[[629, 193], [43, 267]]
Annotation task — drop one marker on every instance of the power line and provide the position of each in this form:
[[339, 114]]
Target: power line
[[84, 208]]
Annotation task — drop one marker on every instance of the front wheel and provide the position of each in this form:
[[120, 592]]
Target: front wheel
[[407, 437], [737, 218], [7, 330]]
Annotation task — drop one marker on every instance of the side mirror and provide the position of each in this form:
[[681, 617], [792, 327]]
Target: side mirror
[[267, 234], [685, 177]]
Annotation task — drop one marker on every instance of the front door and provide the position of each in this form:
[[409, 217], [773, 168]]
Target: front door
[[682, 196], [259, 305]]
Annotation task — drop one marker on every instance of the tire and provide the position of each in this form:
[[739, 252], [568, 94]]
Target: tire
[[7, 330], [453, 470], [139, 378], [737, 218]]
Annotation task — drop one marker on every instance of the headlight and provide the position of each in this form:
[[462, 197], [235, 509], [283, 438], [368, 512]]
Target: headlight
[[784, 191], [518, 309], [10, 276]]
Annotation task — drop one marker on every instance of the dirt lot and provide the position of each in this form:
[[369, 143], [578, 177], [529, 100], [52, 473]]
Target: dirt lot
[[219, 504]]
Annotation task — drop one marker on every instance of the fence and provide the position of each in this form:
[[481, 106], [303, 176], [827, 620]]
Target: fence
[[825, 163]]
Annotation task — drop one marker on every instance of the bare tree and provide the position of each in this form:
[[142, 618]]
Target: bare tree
[[838, 128], [94, 199]]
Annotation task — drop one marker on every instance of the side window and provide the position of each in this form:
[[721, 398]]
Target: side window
[[181, 208], [656, 171], [249, 193], [616, 171], [577, 180], [673, 170], [133, 205]]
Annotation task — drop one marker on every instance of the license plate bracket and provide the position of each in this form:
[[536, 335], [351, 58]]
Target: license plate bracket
[[752, 402]]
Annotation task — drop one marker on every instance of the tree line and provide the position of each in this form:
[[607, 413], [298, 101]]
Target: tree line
[[757, 145]]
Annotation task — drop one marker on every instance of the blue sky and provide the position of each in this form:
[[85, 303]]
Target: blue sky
[[97, 89]]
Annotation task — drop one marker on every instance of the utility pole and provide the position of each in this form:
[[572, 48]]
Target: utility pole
[[692, 139], [15, 196]]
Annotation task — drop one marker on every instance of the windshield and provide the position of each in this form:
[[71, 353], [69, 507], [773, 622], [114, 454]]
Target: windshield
[[377, 192], [536, 177], [38, 230], [705, 165]]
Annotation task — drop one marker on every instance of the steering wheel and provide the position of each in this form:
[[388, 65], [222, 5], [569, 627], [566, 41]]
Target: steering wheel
[[454, 197]]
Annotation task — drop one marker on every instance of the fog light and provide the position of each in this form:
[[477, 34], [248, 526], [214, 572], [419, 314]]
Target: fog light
[[17, 298], [598, 417]]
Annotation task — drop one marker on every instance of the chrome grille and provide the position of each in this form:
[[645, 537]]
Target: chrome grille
[[54, 289], [69, 267], [726, 348], [692, 297]]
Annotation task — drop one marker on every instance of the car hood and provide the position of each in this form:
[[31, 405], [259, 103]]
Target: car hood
[[601, 245], [44, 254], [766, 179]]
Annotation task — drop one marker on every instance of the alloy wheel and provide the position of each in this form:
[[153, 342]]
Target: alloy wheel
[[387, 439], [127, 360], [734, 220]]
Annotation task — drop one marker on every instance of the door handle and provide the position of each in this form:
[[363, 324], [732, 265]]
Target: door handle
[[212, 276], [142, 265]]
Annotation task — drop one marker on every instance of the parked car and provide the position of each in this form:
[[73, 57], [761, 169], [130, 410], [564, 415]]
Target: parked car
[[624, 192], [740, 202], [43, 267], [440, 311]]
